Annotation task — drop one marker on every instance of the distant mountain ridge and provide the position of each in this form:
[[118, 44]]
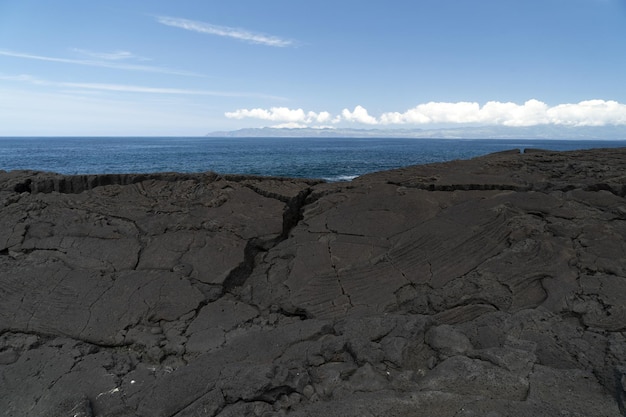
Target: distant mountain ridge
[[481, 132]]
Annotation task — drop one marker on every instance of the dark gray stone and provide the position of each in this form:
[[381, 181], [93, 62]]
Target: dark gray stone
[[488, 287]]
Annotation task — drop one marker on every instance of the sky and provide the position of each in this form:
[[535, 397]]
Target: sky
[[186, 68]]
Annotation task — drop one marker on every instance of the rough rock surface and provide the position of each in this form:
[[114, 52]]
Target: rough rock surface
[[489, 287]]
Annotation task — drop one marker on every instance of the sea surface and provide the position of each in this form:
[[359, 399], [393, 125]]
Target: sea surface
[[332, 159]]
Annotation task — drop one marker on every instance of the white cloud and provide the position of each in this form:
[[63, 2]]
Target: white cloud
[[531, 113], [322, 117], [359, 115], [229, 32], [433, 112], [281, 114], [100, 63], [589, 113]]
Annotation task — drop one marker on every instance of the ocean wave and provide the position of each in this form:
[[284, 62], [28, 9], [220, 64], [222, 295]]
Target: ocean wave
[[338, 178]]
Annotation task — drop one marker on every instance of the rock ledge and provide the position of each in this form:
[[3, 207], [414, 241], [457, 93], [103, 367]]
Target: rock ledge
[[489, 287]]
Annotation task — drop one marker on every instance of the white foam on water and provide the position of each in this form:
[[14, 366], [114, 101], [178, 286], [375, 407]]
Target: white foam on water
[[340, 178]]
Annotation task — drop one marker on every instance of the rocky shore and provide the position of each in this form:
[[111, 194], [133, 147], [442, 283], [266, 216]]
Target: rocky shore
[[489, 287]]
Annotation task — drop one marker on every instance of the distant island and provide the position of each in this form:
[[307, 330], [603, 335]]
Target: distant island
[[481, 132]]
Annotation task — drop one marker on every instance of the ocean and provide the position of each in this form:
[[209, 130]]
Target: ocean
[[332, 159]]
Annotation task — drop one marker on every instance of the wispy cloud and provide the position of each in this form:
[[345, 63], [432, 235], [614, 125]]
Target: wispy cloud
[[110, 56], [126, 88], [40, 112], [99, 63], [229, 32], [531, 113]]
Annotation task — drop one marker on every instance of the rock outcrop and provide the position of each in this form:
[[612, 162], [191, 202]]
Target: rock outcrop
[[489, 287]]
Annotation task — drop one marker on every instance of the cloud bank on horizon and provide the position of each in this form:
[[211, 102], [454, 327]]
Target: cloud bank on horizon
[[531, 113]]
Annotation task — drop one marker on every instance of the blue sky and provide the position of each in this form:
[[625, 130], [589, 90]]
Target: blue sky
[[75, 67]]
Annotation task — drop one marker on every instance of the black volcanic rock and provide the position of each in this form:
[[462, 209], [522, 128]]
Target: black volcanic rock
[[489, 287]]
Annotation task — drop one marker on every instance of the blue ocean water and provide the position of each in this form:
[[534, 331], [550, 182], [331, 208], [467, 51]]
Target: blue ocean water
[[332, 159]]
